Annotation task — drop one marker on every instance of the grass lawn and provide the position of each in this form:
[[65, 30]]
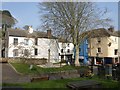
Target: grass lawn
[[24, 68], [62, 83]]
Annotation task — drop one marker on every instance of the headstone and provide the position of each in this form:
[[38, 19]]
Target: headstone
[[31, 67]]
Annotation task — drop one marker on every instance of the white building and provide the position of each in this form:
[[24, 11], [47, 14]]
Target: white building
[[35, 44], [28, 44], [104, 46], [66, 50]]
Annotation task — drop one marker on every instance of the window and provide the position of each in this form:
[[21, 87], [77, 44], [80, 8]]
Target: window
[[116, 51], [26, 41], [26, 52], [15, 52], [79, 49], [99, 40], [116, 60], [15, 41], [86, 41], [88, 50], [115, 40], [99, 50], [36, 51], [36, 41], [68, 50], [109, 44], [68, 45], [61, 50]]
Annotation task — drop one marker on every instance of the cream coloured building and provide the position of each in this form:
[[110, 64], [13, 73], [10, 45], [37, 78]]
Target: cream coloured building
[[104, 46]]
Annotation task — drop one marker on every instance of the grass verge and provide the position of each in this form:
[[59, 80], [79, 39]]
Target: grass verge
[[24, 68], [62, 83]]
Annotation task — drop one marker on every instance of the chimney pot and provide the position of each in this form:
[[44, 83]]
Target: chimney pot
[[49, 33], [111, 29]]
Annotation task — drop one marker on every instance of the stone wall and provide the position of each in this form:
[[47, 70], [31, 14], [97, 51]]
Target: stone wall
[[60, 75], [28, 60]]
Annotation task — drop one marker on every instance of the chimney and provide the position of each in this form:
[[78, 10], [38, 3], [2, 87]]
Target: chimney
[[111, 29], [49, 33]]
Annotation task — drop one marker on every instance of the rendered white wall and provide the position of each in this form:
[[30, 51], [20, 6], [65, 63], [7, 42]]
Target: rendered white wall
[[43, 45]]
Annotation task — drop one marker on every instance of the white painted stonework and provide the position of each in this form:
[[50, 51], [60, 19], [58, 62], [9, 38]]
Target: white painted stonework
[[65, 47], [43, 45]]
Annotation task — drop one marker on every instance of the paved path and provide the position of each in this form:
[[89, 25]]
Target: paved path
[[10, 76]]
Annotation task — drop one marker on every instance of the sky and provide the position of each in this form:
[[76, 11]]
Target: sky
[[27, 13]]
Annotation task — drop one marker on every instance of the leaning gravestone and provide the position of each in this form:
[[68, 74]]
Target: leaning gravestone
[[31, 67]]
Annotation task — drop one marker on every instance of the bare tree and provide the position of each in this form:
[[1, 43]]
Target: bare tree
[[71, 19]]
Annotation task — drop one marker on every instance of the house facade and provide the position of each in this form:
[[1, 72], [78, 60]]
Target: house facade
[[66, 51], [104, 47], [83, 52], [31, 44]]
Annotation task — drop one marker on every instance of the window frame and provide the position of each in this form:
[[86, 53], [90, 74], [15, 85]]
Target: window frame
[[62, 50], [99, 40], [68, 50], [115, 51], [36, 41], [99, 50], [15, 52], [15, 41], [35, 51], [26, 41]]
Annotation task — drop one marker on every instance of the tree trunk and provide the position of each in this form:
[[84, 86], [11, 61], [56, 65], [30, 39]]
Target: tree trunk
[[77, 63]]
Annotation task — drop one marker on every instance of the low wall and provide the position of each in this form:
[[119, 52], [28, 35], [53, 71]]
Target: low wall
[[3, 60], [60, 75], [28, 60]]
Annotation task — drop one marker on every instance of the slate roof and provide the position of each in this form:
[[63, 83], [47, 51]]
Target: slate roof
[[25, 33], [63, 40], [101, 32]]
